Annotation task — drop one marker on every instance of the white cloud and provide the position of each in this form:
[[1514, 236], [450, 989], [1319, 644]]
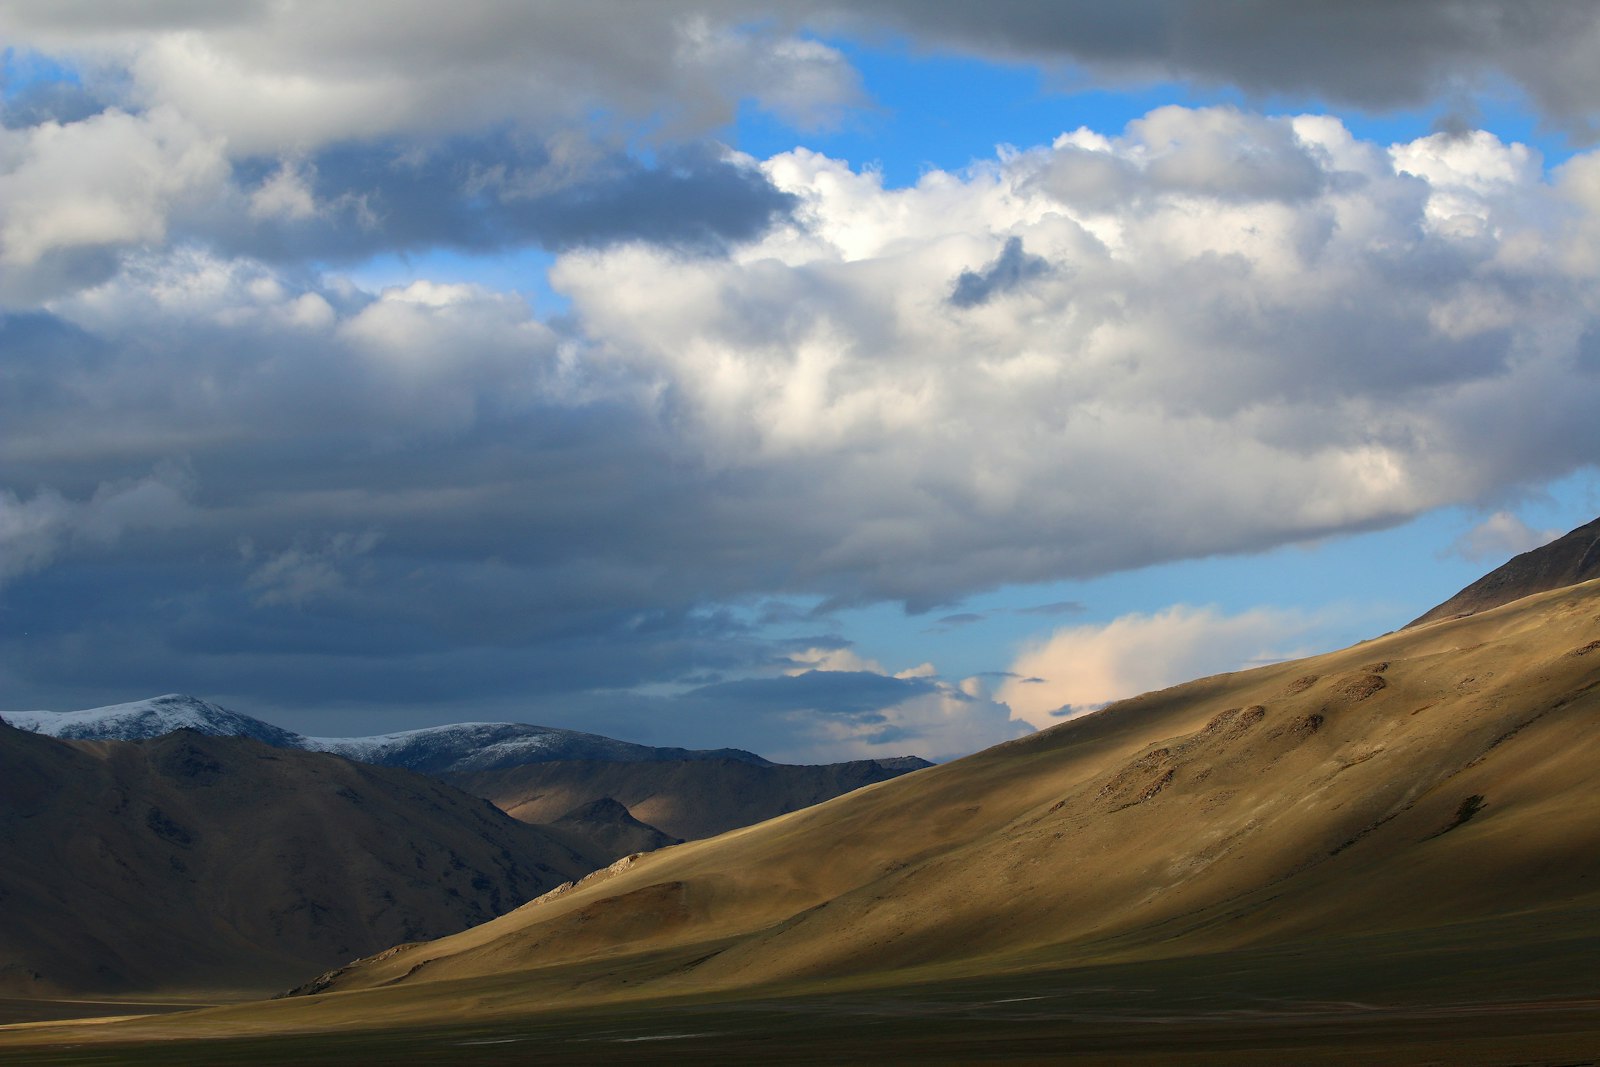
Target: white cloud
[[1252, 330], [941, 724], [36, 529], [1080, 668], [110, 180], [306, 572], [1499, 537]]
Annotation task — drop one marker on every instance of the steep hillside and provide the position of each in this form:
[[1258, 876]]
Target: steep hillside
[[1431, 778], [1565, 561], [688, 800], [192, 859]]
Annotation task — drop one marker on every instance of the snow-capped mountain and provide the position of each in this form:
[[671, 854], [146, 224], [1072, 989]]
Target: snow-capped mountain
[[151, 718], [471, 746], [483, 746]]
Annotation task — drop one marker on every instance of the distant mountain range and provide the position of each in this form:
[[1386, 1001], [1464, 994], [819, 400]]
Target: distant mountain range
[[172, 841], [457, 748]]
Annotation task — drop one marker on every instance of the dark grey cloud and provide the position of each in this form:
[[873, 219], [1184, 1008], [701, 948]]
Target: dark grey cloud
[[1058, 607], [1013, 268], [1373, 55], [494, 192]]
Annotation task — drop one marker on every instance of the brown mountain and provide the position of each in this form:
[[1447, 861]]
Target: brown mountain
[[1429, 779], [190, 860], [1565, 561], [686, 799]]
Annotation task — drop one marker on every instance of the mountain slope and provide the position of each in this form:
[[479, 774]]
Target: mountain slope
[[1395, 791], [192, 859], [688, 800], [1568, 560]]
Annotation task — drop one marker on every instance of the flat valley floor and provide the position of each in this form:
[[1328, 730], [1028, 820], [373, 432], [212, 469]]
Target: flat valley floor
[[1351, 1001]]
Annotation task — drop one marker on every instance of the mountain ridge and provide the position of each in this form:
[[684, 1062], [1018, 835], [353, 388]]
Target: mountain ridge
[[452, 748], [1570, 559]]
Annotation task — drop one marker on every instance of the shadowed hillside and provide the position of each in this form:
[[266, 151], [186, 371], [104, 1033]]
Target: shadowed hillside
[[193, 859]]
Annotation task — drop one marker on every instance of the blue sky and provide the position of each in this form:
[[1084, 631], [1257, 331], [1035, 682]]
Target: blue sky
[[632, 373]]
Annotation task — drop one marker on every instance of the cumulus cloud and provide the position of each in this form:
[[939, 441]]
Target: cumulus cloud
[[1080, 668], [1189, 377]]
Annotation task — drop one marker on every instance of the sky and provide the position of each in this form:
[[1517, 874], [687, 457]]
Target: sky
[[832, 381]]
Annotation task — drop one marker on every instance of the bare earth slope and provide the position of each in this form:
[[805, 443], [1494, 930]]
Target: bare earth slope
[[1412, 821], [192, 859], [1568, 560], [1435, 776], [685, 799]]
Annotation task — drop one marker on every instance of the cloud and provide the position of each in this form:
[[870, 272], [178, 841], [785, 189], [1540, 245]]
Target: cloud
[[273, 79], [1058, 607], [485, 194], [618, 497], [778, 383], [1499, 537], [303, 573], [1191, 380], [1081, 668], [35, 530], [850, 714], [1010, 270], [1383, 57]]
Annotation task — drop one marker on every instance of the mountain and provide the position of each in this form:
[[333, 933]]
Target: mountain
[[689, 800], [143, 719], [191, 859], [539, 774], [606, 826], [1413, 818], [460, 747], [1566, 561], [482, 746]]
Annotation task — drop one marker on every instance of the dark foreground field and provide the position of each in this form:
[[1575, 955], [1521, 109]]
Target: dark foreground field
[[1352, 1001]]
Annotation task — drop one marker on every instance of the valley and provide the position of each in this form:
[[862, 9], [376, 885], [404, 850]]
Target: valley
[[1401, 837]]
